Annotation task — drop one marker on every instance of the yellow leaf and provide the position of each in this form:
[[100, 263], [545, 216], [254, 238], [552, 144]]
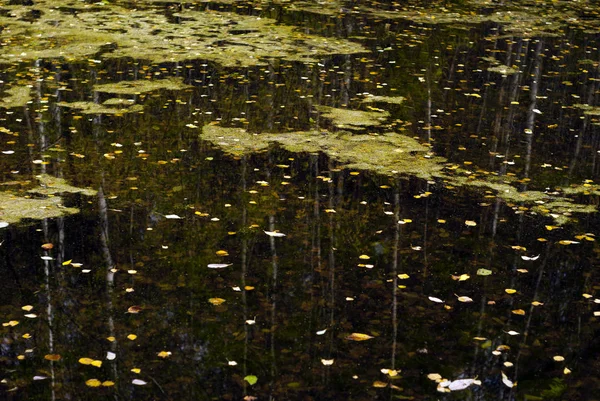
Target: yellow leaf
[[464, 277], [216, 301], [97, 363], [465, 299], [518, 248], [536, 303], [470, 223], [26, 336], [132, 337], [164, 354], [222, 253], [67, 262], [364, 257], [567, 242], [566, 371], [136, 370], [519, 312], [358, 337], [86, 361], [542, 239], [108, 383], [558, 358], [510, 291], [27, 308], [52, 357], [379, 384], [403, 276], [111, 339], [550, 228], [587, 295], [12, 323], [93, 383]]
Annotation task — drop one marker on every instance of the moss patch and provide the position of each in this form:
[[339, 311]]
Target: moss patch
[[108, 31], [384, 99], [389, 153], [41, 203], [95, 108], [141, 86], [353, 119], [50, 185], [18, 96]]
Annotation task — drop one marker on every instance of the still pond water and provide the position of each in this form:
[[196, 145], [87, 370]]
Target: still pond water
[[299, 201]]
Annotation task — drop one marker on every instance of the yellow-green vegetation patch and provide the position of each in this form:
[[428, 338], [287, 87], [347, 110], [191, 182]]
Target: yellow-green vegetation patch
[[41, 203], [117, 101], [588, 110], [95, 108], [384, 99], [141, 86], [113, 31], [16, 96], [353, 119], [388, 153], [13, 208], [50, 185], [503, 69]]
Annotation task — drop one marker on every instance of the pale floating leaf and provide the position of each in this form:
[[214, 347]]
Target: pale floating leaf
[[39, 377], [232, 363], [434, 299], [434, 376], [251, 379], [274, 234], [461, 384], [558, 358], [138, 382], [508, 383], [93, 383], [321, 332], [484, 272], [566, 371], [464, 299], [327, 362], [218, 265], [530, 257], [513, 333], [164, 354], [4, 224], [110, 355], [172, 216]]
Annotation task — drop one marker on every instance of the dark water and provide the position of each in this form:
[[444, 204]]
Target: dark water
[[278, 294]]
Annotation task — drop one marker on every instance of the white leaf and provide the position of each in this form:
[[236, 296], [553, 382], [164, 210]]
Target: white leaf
[[321, 332], [39, 377], [3, 224], [231, 363], [513, 333], [507, 382], [138, 382], [110, 355], [218, 265], [172, 216], [461, 384], [530, 257], [47, 258], [274, 234], [434, 299]]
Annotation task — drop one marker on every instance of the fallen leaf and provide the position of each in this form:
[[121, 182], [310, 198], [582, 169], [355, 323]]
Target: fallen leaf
[[218, 265], [134, 309], [508, 383], [358, 337], [510, 291], [164, 354], [558, 358], [216, 301], [274, 234], [483, 272], [434, 299], [461, 384], [251, 379], [470, 223], [519, 312], [52, 357], [138, 382], [327, 362], [93, 383]]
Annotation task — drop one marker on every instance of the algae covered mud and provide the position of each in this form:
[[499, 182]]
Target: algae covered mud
[[299, 200]]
